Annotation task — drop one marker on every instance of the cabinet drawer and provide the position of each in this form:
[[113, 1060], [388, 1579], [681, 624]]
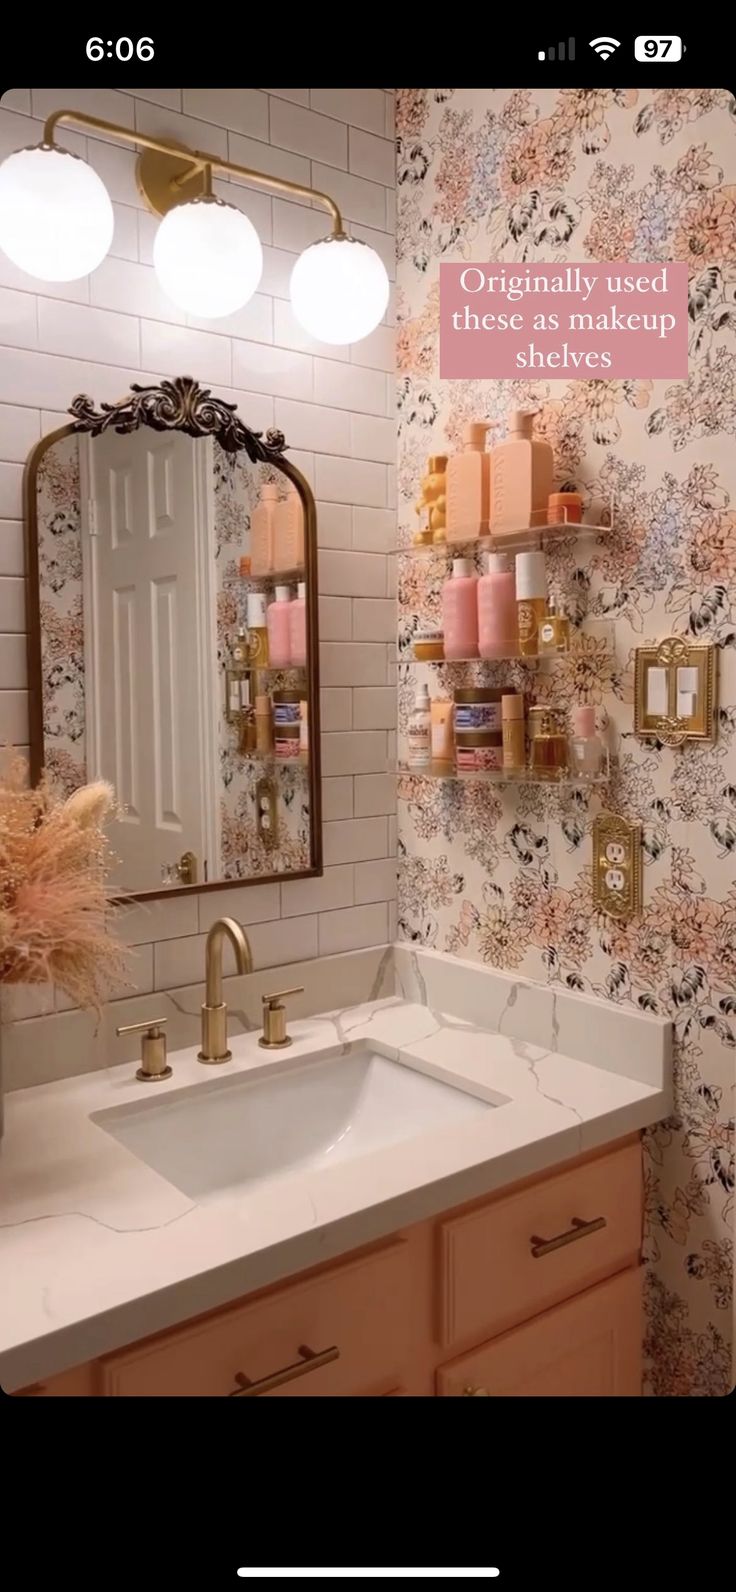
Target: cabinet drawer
[[361, 1308], [587, 1348], [498, 1266]]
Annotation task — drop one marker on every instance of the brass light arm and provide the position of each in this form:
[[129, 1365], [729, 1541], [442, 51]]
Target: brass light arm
[[198, 159]]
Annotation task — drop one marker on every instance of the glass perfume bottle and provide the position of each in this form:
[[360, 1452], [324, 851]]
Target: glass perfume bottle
[[554, 631], [585, 745]]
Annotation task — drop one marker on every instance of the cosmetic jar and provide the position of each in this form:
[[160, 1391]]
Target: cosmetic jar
[[286, 740], [286, 707], [564, 508], [478, 751], [429, 644], [477, 708]]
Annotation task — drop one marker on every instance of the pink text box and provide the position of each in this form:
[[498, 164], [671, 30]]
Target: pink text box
[[642, 330]]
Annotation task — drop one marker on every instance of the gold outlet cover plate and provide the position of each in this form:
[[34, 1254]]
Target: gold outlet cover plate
[[617, 867], [266, 819]]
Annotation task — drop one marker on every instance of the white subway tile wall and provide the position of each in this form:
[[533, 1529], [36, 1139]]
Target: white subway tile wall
[[336, 406]]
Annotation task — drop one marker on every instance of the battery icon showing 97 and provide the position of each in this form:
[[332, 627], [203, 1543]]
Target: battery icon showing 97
[[666, 47]]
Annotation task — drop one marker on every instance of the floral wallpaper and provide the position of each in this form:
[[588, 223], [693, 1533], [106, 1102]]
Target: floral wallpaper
[[62, 622], [502, 874], [243, 855], [236, 486]]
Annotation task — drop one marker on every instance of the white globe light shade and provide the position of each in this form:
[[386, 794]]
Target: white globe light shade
[[56, 219], [208, 257], [339, 290]]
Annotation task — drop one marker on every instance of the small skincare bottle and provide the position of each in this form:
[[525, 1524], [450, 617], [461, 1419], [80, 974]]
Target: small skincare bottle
[[257, 630], [531, 600], [554, 631], [512, 728], [419, 731], [586, 746]]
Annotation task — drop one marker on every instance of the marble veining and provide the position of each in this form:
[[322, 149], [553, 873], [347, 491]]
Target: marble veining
[[104, 1250]]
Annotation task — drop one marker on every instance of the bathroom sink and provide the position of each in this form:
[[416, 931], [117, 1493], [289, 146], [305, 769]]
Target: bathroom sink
[[232, 1133]]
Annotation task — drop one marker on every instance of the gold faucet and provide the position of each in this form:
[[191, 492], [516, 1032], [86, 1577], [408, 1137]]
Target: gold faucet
[[214, 1010]]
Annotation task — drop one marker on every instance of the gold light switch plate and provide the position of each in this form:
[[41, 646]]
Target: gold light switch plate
[[675, 688], [617, 867]]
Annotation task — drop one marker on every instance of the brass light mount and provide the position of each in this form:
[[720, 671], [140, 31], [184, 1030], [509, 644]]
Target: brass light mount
[[169, 174]]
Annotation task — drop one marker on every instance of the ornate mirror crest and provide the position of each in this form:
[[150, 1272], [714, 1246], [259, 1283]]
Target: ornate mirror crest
[[179, 405]]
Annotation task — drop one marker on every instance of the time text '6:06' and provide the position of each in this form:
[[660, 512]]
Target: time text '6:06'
[[122, 49]]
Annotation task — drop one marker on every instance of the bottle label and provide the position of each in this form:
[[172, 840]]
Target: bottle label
[[527, 621], [547, 633], [419, 746]]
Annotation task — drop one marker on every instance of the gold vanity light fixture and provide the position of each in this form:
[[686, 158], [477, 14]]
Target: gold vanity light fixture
[[675, 691], [56, 223], [617, 867]]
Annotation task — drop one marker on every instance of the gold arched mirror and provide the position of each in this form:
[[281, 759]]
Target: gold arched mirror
[[172, 605]]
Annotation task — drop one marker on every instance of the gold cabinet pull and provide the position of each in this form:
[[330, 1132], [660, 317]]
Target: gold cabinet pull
[[475, 1393], [577, 1229], [309, 1361]]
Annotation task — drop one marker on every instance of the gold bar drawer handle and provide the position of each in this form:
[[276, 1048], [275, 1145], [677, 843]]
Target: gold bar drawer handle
[[577, 1229], [309, 1361], [475, 1392]]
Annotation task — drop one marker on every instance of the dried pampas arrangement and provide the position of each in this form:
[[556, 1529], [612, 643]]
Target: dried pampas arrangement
[[54, 912]]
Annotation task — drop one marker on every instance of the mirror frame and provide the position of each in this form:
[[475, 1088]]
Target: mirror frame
[[179, 404]]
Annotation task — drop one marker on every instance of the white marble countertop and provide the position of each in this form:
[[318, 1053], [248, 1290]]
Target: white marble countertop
[[97, 1249]]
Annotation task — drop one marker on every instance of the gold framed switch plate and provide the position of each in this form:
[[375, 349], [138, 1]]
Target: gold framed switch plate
[[675, 692], [617, 867]]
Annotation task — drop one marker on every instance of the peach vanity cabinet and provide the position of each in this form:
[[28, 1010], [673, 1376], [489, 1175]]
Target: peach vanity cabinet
[[535, 1290]]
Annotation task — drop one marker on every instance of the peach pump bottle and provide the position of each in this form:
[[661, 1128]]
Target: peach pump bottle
[[468, 486], [522, 468], [262, 525]]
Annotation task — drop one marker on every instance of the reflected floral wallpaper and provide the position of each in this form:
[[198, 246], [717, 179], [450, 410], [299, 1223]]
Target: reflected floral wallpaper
[[243, 855], [62, 620], [502, 875]]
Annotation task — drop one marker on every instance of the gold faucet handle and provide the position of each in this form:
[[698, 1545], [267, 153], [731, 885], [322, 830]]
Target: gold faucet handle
[[154, 1064], [281, 995], [153, 1024], [274, 1036]]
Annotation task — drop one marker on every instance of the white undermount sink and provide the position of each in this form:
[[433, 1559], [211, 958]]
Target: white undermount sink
[[230, 1133]]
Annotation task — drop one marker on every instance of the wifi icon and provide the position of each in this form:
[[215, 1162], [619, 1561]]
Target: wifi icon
[[604, 47]]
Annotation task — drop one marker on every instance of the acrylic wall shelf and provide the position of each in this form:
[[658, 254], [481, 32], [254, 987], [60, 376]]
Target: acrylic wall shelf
[[529, 536], [543, 658], [524, 776], [275, 577], [268, 760]]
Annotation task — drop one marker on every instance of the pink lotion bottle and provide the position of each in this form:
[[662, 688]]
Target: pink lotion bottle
[[498, 631], [277, 620], [460, 610], [298, 626]]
